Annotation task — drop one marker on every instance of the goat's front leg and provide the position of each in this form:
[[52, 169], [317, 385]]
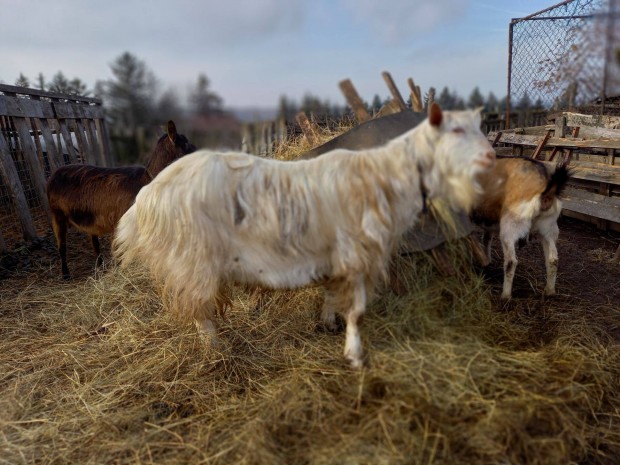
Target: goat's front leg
[[353, 350]]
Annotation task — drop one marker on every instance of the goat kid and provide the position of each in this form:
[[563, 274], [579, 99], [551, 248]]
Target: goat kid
[[213, 218], [521, 195], [92, 199]]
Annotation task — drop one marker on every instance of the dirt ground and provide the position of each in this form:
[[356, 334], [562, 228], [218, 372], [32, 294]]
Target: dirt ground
[[587, 277]]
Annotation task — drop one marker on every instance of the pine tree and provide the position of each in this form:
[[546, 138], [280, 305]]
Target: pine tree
[[22, 81], [202, 100], [475, 99], [129, 95]]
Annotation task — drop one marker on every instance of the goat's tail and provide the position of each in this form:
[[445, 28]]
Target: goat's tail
[[555, 185]]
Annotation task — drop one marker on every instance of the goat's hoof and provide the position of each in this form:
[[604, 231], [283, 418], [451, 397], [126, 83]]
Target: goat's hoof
[[66, 277], [549, 293]]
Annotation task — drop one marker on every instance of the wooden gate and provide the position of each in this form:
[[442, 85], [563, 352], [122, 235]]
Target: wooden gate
[[40, 131]]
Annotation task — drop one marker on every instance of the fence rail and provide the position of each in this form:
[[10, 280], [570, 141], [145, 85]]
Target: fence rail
[[40, 131]]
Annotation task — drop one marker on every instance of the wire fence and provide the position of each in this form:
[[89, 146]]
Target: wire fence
[[566, 57]]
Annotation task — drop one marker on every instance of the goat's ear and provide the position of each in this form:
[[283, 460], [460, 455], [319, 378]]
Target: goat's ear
[[172, 131], [434, 115]]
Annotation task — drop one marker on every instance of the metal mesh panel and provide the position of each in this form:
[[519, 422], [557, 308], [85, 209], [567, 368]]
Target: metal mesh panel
[[565, 56]]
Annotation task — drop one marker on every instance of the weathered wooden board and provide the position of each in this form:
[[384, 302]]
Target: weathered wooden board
[[25, 108], [597, 172], [564, 143], [592, 204], [9, 173]]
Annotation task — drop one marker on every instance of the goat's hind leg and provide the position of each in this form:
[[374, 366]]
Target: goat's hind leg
[[549, 233], [59, 225], [509, 235]]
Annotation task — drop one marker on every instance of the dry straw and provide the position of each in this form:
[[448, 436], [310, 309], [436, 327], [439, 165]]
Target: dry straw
[[99, 372]]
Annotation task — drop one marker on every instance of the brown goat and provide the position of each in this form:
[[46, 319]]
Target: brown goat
[[92, 199], [521, 195]]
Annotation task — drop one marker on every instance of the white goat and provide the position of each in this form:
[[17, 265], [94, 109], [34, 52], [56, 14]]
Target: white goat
[[213, 217], [521, 195]]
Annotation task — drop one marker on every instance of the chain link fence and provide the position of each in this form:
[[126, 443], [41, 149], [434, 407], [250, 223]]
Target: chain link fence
[[566, 57]]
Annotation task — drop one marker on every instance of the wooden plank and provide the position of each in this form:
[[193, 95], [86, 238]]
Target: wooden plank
[[25, 108], [83, 146], [563, 143], [416, 97], [52, 95], [307, 128], [8, 170], [354, 100], [63, 125], [560, 127], [53, 153], [76, 110], [93, 143], [592, 204], [604, 173], [600, 121], [34, 164], [39, 148], [104, 140], [396, 96]]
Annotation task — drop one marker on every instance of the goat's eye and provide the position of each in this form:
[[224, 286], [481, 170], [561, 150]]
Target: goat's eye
[[458, 130]]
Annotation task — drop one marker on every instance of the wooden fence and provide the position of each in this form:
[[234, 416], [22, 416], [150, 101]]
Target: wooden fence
[[40, 131]]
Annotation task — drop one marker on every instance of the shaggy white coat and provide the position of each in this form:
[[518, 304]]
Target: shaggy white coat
[[211, 218]]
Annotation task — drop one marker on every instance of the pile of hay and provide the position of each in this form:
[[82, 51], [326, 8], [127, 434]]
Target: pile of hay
[[100, 372]]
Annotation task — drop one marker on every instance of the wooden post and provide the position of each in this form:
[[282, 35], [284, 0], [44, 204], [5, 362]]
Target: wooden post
[[354, 100], [66, 136], [9, 172], [307, 128], [394, 91], [416, 97]]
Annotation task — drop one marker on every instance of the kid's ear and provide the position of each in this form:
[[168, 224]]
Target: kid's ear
[[434, 115]]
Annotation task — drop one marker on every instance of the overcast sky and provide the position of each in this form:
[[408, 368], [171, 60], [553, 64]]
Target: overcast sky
[[254, 51]]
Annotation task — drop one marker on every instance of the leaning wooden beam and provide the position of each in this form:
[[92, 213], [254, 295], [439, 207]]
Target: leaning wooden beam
[[307, 128], [30, 155], [9, 173], [387, 77], [416, 96], [541, 144], [354, 100]]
